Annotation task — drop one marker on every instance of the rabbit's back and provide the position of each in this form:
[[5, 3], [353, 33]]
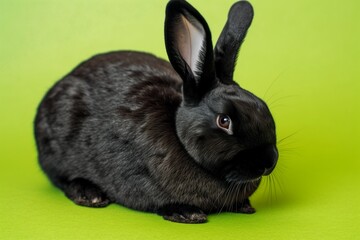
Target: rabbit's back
[[92, 124]]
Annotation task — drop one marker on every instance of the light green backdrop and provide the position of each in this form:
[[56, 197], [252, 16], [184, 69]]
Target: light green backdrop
[[302, 57]]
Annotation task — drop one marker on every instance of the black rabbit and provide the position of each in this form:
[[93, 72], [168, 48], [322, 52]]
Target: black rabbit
[[125, 127]]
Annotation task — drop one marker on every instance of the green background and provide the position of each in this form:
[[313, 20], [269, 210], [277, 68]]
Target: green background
[[302, 57]]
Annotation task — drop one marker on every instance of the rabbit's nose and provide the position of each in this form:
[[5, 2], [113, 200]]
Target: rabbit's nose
[[273, 156]]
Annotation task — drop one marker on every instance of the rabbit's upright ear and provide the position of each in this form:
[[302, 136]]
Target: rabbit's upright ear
[[189, 48], [227, 47]]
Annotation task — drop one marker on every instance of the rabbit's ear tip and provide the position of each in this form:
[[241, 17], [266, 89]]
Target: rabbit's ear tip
[[242, 7], [239, 20], [244, 3]]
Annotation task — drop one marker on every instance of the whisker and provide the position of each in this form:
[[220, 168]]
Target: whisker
[[275, 189], [287, 137], [268, 189], [271, 189], [272, 107], [239, 196], [273, 82], [217, 200], [223, 195], [233, 197], [271, 97], [226, 206], [287, 149], [288, 142], [226, 193], [279, 99], [288, 155], [279, 183]]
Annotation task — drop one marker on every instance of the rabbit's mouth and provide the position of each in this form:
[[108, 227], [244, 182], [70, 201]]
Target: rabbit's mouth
[[250, 165], [235, 177]]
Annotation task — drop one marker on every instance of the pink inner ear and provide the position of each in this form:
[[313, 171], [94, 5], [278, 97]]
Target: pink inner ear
[[191, 38]]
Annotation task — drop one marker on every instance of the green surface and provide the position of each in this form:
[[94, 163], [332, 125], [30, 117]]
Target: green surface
[[302, 57]]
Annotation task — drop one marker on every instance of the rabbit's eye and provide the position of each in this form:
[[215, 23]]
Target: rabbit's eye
[[224, 122]]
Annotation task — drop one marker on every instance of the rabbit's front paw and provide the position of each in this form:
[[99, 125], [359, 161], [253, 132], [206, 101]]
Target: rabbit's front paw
[[182, 213], [244, 207]]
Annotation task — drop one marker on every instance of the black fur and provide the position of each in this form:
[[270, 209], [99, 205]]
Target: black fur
[[84, 193], [232, 36], [124, 127]]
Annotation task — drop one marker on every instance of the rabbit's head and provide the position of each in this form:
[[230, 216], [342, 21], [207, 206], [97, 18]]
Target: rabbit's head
[[225, 128]]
